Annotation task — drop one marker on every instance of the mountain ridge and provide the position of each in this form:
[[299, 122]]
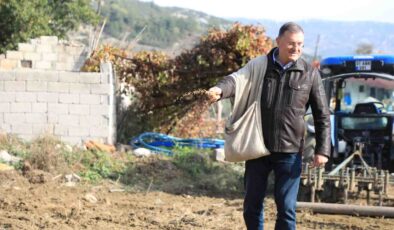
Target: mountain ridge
[[336, 37]]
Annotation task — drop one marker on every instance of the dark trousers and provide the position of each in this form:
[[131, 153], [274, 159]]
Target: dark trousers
[[287, 171]]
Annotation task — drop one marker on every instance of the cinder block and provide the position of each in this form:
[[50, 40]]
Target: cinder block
[[49, 40], [91, 78], [23, 75], [66, 98], [69, 77], [7, 75], [99, 88], [14, 55], [47, 97], [8, 64], [65, 58], [20, 107], [35, 41], [74, 50], [104, 120], [26, 47], [39, 129], [26, 137], [37, 86], [36, 118], [25, 97], [57, 108], [104, 78], [39, 107], [89, 121], [68, 120], [32, 56], [61, 130], [49, 57], [43, 65], [80, 54], [104, 100], [60, 66], [14, 86], [99, 109], [14, 118], [7, 97], [78, 131], [79, 88], [79, 109], [58, 87], [59, 48], [6, 128], [5, 107], [46, 76], [52, 118], [99, 131], [22, 128], [72, 140], [91, 99], [44, 48]]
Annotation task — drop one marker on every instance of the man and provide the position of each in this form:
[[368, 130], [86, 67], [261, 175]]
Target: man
[[290, 86]]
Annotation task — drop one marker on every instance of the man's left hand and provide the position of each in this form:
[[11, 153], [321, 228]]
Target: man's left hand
[[319, 160]]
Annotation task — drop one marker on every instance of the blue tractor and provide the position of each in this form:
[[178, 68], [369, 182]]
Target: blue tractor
[[360, 92]]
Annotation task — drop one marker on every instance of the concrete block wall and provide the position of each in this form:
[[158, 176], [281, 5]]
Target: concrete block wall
[[45, 53], [74, 106]]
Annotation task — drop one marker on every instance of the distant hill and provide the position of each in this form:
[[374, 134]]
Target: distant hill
[[174, 29], [337, 37], [164, 26]]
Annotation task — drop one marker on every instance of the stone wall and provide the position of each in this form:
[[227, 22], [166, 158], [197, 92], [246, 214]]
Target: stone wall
[[45, 53], [74, 106]]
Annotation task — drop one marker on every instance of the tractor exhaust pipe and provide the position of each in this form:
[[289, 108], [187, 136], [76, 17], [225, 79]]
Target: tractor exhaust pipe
[[347, 209]]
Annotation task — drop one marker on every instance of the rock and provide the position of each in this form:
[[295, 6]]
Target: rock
[[72, 178], [90, 198], [142, 152], [219, 155], [7, 158], [37, 176]]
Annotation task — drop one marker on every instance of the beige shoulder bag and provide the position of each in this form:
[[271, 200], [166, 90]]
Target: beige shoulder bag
[[243, 132]]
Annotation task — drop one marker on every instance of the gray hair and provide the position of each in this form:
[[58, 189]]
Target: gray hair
[[291, 27]]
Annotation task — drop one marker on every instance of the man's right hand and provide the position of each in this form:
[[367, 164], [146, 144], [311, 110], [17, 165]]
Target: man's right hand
[[214, 94]]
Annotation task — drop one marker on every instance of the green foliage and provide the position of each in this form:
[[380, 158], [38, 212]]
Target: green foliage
[[189, 171], [99, 165], [25, 19], [14, 145], [208, 174], [164, 26], [194, 161]]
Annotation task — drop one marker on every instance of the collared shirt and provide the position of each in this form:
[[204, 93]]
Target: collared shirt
[[284, 67]]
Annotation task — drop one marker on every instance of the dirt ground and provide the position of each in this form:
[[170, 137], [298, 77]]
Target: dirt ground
[[51, 204]]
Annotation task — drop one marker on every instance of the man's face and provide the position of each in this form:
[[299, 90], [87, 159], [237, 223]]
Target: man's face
[[290, 46]]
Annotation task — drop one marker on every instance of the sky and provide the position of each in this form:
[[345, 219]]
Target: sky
[[292, 10]]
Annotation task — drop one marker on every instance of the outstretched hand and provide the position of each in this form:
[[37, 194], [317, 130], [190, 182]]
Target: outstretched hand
[[214, 94]]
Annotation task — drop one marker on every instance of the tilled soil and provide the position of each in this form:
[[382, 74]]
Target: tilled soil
[[53, 205]]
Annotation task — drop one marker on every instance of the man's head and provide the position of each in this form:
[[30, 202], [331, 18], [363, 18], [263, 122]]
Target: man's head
[[290, 42]]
